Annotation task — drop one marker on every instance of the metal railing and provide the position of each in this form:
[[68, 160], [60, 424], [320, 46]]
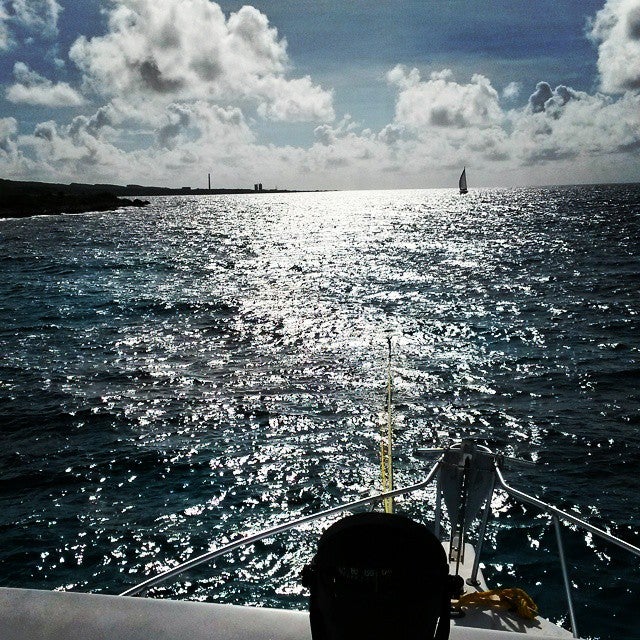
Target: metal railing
[[498, 481], [557, 515], [267, 533]]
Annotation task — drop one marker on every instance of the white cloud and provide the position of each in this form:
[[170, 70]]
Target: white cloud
[[455, 123], [74, 151], [37, 16], [31, 88], [40, 16], [296, 100], [8, 130], [4, 30], [189, 50], [189, 138], [442, 102], [570, 124], [199, 126], [617, 28], [512, 91]]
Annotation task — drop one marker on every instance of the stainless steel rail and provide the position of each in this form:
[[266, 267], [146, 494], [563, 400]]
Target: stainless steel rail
[[563, 515], [565, 575], [557, 515], [267, 533]]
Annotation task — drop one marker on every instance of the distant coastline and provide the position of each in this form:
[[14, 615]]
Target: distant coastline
[[23, 199]]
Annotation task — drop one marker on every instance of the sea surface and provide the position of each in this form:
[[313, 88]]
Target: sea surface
[[174, 377]]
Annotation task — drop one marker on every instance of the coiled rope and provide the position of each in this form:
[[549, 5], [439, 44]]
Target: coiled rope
[[516, 600]]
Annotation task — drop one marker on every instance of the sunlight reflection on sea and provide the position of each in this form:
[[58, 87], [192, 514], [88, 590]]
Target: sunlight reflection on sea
[[210, 366]]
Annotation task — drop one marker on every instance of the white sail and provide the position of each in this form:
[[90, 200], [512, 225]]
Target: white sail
[[462, 183]]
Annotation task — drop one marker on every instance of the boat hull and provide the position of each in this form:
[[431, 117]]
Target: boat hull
[[30, 614]]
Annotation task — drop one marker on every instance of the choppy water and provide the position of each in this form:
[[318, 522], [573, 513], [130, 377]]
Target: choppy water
[[210, 366]]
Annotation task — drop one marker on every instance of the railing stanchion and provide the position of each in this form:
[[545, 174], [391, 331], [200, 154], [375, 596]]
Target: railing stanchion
[[473, 580], [565, 575]]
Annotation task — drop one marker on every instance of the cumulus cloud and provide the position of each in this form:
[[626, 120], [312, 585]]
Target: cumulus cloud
[[178, 119], [392, 134], [189, 50], [198, 124], [13, 163], [616, 28], [550, 100], [8, 130], [442, 102], [296, 100], [31, 88], [40, 16], [95, 125], [455, 122], [563, 123], [101, 148], [37, 16], [74, 150], [556, 124]]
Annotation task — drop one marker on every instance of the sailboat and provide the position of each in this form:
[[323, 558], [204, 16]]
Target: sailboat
[[462, 183]]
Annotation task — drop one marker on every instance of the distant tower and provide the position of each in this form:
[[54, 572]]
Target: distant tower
[[255, 187], [260, 186], [209, 181]]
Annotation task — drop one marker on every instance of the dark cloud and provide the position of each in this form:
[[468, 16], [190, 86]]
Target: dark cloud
[[630, 147], [45, 131], [103, 117], [566, 94], [444, 117], [633, 24], [538, 98], [169, 37], [551, 101], [548, 154], [207, 68], [179, 118], [153, 78]]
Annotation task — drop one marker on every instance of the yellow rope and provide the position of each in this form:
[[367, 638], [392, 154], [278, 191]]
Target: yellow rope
[[515, 600]]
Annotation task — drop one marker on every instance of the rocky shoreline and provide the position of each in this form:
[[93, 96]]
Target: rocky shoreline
[[25, 199]]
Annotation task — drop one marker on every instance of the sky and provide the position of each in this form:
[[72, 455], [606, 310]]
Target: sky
[[320, 94]]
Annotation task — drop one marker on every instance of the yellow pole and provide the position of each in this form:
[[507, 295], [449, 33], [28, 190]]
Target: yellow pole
[[386, 441]]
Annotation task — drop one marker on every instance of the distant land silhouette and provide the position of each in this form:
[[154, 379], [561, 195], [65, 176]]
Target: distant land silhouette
[[22, 199]]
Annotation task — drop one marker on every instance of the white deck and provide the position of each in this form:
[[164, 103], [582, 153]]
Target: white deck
[[27, 614]]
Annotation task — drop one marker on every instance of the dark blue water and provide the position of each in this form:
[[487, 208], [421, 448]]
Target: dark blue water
[[173, 377]]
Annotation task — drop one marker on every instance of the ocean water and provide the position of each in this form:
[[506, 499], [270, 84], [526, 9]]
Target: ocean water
[[176, 376]]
